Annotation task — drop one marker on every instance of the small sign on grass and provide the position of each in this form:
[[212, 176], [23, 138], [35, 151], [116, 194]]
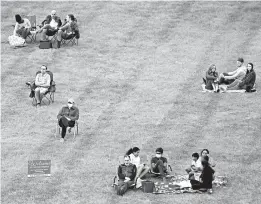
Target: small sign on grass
[[39, 168]]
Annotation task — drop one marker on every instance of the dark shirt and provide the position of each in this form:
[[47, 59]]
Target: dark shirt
[[156, 159], [207, 177], [72, 113], [249, 79], [127, 171]]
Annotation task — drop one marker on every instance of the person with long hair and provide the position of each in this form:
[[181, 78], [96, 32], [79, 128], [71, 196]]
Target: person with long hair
[[142, 169], [246, 83], [206, 177], [22, 26], [67, 30], [205, 152], [212, 78], [126, 173]]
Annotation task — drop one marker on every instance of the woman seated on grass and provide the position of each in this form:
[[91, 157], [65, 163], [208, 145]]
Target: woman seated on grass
[[246, 83], [142, 169], [212, 79], [206, 177]]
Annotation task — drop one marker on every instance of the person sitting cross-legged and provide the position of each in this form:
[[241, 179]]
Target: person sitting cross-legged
[[42, 83], [159, 163], [206, 177], [142, 169], [126, 173], [67, 117], [195, 166]]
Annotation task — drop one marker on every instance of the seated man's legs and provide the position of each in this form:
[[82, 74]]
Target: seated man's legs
[[124, 186], [234, 85], [64, 123], [47, 32], [39, 91], [160, 168], [222, 80]]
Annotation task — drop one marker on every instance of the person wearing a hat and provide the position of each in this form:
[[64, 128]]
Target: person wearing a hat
[[239, 73], [159, 163], [67, 117]]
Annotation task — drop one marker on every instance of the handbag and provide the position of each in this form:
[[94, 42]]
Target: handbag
[[148, 186], [45, 44]]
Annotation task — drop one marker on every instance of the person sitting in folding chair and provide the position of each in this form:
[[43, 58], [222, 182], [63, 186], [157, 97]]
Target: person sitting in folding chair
[[50, 25], [126, 173], [68, 30], [22, 26], [42, 83], [67, 117], [159, 163]]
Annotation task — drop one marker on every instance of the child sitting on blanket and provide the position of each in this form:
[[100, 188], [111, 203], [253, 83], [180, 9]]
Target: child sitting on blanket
[[212, 79], [195, 166]]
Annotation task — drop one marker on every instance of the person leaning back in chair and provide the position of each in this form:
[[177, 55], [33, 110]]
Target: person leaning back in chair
[[126, 173], [66, 31], [42, 83], [67, 117], [22, 26], [50, 25], [230, 77], [159, 163]]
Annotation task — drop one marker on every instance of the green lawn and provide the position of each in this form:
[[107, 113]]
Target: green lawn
[[136, 77]]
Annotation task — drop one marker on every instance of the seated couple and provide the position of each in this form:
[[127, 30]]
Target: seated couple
[[241, 78], [201, 165], [53, 24], [133, 170]]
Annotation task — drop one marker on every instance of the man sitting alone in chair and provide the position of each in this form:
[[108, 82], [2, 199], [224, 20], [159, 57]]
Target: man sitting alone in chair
[[67, 117], [42, 83]]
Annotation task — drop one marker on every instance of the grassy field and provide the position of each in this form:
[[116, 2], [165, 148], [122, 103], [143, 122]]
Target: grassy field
[[136, 77]]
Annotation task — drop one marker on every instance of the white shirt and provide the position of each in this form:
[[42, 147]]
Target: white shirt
[[53, 24], [197, 163], [135, 160], [25, 24]]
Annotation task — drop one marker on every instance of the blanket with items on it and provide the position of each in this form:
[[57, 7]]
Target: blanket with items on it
[[180, 184], [223, 87]]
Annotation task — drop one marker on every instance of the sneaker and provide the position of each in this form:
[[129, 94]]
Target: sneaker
[[210, 191], [138, 183], [62, 140], [28, 83]]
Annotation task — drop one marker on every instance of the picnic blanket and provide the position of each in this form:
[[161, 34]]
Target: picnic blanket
[[227, 91], [180, 184]]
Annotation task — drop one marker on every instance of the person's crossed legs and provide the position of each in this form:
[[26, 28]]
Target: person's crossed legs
[[64, 123]]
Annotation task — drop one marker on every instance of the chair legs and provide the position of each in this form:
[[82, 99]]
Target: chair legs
[[75, 130]]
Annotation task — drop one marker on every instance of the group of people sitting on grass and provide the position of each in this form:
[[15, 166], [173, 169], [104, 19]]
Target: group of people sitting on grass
[[49, 27], [242, 78], [200, 172]]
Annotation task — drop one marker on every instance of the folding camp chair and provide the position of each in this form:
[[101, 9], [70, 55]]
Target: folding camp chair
[[71, 39], [116, 177], [75, 129], [33, 34], [48, 96]]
